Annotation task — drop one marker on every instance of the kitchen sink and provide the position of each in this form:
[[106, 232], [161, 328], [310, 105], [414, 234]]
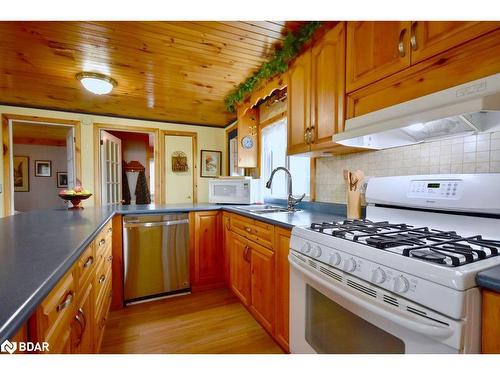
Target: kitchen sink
[[263, 209]]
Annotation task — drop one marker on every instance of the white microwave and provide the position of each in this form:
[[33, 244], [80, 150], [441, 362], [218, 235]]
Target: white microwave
[[242, 190]]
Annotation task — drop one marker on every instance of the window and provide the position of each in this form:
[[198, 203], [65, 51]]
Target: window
[[273, 155]]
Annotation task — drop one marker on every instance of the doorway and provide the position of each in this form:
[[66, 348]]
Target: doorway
[[125, 165], [41, 158], [180, 167]]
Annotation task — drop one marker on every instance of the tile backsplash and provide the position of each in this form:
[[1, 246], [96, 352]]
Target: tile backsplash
[[472, 154]]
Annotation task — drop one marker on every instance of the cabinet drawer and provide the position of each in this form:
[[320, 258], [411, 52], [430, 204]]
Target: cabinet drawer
[[102, 281], [102, 317], [54, 313], [103, 239], [253, 230], [86, 266]]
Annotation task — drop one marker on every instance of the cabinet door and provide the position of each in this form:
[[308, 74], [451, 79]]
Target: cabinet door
[[206, 261], [428, 38], [263, 302], [299, 102], [226, 221], [82, 324], [281, 250], [248, 121], [491, 323], [240, 267], [375, 50], [328, 87]]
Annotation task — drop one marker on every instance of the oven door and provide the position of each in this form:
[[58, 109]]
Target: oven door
[[333, 312]]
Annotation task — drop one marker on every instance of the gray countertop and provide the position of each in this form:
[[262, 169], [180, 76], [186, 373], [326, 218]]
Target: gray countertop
[[37, 248], [489, 279]]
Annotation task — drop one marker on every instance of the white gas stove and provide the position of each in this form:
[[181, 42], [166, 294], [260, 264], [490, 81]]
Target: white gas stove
[[415, 256]]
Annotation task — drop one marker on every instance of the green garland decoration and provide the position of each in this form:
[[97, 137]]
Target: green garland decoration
[[277, 64]]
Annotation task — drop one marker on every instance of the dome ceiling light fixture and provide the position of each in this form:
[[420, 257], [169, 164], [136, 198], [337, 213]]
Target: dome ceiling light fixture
[[96, 83]]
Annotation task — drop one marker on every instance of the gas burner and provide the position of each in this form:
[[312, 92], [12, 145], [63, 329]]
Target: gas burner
[[429, 256]]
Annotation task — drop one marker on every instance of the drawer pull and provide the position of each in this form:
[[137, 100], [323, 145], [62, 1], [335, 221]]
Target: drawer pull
[[88, 262], [80, 312], [102, 242], [102, 278], [401, 46], [66, 303]]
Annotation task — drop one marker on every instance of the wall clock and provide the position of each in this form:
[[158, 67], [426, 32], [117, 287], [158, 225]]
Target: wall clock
[[247, 142]]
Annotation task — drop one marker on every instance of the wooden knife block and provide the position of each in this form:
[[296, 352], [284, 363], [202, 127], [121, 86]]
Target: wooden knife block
[[353, 204]]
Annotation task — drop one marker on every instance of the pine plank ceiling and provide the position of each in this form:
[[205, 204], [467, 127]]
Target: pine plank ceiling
[[167, 71]]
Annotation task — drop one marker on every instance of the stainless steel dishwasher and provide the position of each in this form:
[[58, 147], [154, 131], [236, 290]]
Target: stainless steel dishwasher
[[155, 256]]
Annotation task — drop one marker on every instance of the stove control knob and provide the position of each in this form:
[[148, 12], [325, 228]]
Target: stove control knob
[[350, 265], [401, 284], [306, 248], [316, 251], [335, 259], [378, 276]]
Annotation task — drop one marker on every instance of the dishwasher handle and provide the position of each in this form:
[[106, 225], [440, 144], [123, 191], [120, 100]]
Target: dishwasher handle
[[138, 224]]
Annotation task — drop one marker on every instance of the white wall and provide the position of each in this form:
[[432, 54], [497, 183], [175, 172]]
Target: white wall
[[42, 190], [208, 138]]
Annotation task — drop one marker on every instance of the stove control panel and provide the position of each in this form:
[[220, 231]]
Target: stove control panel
[[375, 273], [435, 189]]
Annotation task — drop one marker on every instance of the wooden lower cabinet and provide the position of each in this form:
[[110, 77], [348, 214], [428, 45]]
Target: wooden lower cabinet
[[240, 268], [262, 301], [206, 250], [82, 335], [66, 318], [226, 233], [281, 250], [490, 322], [259, 275]]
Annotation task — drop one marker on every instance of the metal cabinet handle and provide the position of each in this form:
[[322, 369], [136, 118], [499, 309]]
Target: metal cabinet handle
[[80, 323], [311, 136], [80, 312], [102, 242], [88, 262], [413, 36], [306, 135], [102, 278], [66, 303], [401, 46], [110, 230], [246, 253]]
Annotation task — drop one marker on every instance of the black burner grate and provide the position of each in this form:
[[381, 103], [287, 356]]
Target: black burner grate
[[440, 247]]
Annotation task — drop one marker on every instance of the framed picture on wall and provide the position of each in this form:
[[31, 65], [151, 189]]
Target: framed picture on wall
[[21, 174], [62, 179], [210, 163], [43, 168]]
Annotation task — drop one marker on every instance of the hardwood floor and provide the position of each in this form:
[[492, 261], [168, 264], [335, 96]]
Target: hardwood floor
[[206, 322]]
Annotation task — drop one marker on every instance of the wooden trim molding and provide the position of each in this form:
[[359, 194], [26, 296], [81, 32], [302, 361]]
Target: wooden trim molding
[[131, 129], [7, 160], [162, 179], [273, 119], [278, 82]]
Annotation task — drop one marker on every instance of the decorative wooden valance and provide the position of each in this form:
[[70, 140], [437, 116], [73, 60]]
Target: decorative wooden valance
[[134, 166]]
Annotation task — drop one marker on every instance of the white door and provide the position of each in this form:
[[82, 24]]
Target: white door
[[111, 169], [70, 156], [178, 185]]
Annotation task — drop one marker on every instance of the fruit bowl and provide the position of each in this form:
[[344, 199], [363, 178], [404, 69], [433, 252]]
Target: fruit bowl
[[75, 198]]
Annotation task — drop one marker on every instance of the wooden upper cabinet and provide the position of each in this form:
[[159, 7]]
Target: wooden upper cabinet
[[248, 122], [428, 38], [299, 97], [375, 50], [328, 87]]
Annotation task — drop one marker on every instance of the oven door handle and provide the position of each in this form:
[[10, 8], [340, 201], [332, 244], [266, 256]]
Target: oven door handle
[[440, 332]]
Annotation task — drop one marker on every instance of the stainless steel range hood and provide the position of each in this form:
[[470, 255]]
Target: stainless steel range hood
[[470, 108]]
